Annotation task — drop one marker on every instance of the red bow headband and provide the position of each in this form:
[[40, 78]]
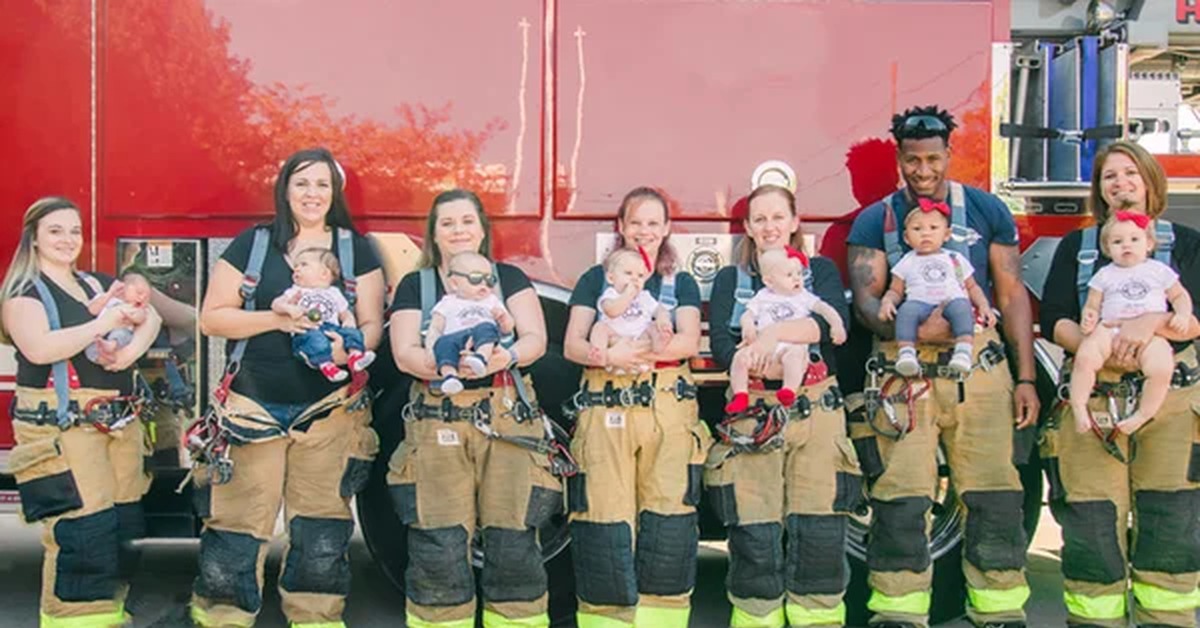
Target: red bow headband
[[646, 260], [794, 253], [930, 205], [1141, 220]]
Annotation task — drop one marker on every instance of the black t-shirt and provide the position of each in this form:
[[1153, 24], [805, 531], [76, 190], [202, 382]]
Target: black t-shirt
[[71, 313], [408, 297], [269, 370], [591, 285], [1060, 298], [827, 284]]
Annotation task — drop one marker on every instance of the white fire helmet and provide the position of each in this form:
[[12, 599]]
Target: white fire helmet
[[774, 172]]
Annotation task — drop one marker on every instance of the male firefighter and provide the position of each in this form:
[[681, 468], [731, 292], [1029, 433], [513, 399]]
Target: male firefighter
[[900, 421]]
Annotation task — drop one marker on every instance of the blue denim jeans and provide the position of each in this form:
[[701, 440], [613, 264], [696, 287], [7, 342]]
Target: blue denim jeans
[[285, 413], [314, 347], [448, 348], [911, 314]]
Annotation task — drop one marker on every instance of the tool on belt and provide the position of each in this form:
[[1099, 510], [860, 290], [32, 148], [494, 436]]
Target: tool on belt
[[886, 388], [552, 443], [1121, 399], [770, 421], [640, 394]]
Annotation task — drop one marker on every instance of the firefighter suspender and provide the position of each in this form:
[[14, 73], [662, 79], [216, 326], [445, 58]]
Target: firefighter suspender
[[253, 275], [60, 371], [429, 299], [958, 225], [1089, 254], [745, 291]]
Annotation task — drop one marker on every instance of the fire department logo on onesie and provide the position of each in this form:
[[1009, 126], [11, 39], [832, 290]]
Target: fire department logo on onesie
[[634, 311], [781, 312], [934, 271], [474, 312], [1134, 290]]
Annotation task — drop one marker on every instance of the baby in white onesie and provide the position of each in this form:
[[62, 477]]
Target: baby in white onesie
[[626, 310]]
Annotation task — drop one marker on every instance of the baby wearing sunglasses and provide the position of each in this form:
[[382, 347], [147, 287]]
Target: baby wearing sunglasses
[[466, 324], [1127, 288], [627, 311], [314, 296]]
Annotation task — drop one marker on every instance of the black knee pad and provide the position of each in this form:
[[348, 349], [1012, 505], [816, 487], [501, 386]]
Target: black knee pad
[[1168, 531], [1091, 551], [816, 555], [756, 561], [439, 572], [318, 558], [228, 564], [602, 554], [131, 526], [512, 565], [995, 536], [898, 541], [86, 569], [666, 553]]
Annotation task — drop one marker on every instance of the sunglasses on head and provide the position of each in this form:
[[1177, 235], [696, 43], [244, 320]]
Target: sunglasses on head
[[476, 278], [926, 122]]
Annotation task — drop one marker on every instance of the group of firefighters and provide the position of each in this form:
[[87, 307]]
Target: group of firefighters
[[484, 465]]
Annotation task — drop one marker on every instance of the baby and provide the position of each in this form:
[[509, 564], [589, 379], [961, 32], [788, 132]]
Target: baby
[[929, 276], [466, 324], [1127, 288], [315, 296], [782, 298], [626, 309], [133, 289]]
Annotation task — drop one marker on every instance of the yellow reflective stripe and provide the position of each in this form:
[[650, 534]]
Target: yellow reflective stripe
[[742, 619], [1160, 599], [492, 619], [659, 617], [320, 624], [998, 600], [588, 620], [96, 620], [1099, 607], [200, 616], [412, 621], [799, 616], [915, 603]]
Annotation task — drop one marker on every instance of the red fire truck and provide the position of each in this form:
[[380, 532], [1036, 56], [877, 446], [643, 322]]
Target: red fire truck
[[167, 121]]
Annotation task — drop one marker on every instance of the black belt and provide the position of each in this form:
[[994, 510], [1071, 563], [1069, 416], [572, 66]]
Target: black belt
[[636, 395], [989, 357], [105, 414], [446, 411]]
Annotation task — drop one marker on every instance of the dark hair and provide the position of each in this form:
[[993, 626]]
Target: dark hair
[[919, 131], [283, 228], [431, 257], [1152, 177], [748, 251], [664, 265]]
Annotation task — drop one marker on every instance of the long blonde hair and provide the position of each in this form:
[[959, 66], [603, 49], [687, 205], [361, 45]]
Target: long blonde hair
[[23, 268]]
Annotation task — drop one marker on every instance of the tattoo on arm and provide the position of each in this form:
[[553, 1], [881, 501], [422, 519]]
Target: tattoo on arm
[[868, 276]]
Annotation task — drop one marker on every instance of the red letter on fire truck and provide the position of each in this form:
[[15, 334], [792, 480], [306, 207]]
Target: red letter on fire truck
[[1185, 8]]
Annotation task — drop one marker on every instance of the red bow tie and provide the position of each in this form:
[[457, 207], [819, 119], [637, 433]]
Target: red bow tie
[[797, 254], [1141, 220], [930, 205]]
